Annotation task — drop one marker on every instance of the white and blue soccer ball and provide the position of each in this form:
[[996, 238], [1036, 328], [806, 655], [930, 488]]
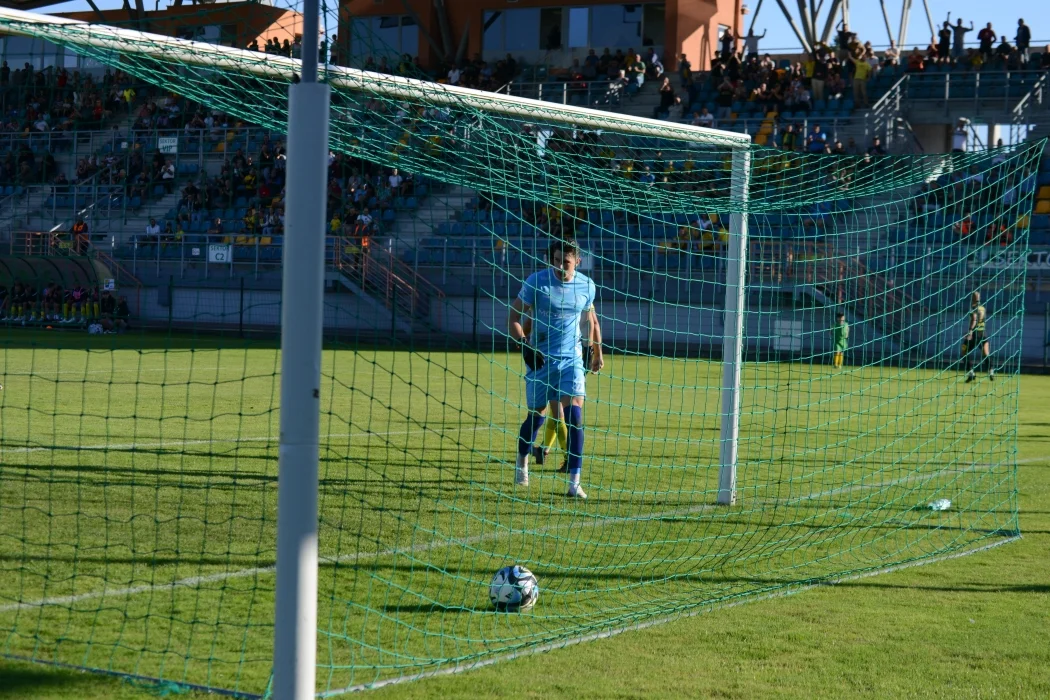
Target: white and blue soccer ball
[[514, 589]]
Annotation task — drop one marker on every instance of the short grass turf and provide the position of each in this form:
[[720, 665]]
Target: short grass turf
[[127, 471]]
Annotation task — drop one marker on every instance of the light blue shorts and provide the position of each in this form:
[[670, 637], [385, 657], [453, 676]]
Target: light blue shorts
[[557, 377]]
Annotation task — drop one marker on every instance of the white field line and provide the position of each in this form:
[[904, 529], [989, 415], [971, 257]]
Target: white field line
[[175, 442], [194, 581], [126, 370], [605, 634]]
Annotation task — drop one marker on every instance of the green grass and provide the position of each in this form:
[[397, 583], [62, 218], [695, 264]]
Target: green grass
[[129, 470]]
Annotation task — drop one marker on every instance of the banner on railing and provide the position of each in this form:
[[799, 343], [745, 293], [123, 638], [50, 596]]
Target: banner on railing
[[1015, 260], [168, 145], [220, 253]]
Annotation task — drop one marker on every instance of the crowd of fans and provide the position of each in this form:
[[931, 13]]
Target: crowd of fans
[[830, 72], [255, 185], [977, 205], [41, 108]]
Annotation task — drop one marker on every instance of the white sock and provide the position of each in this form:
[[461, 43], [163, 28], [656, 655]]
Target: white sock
[[522, 463], [574, 479]]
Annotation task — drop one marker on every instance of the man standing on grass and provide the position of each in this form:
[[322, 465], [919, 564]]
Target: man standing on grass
[[976, 340], [840, 338], [555, 299]]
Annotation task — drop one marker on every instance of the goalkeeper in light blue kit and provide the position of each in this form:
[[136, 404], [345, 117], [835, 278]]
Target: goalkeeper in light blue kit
[[556, 299]]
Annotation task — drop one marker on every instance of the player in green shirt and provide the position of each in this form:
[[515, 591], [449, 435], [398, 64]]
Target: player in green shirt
[[840, 336]]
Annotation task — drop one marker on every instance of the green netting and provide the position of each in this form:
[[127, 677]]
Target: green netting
[[138, 488]]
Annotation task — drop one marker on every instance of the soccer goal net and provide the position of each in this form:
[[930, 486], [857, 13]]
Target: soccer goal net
[[786, 398]]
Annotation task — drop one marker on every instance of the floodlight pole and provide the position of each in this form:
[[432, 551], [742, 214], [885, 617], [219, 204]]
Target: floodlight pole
[[733, 325], [295, 621]]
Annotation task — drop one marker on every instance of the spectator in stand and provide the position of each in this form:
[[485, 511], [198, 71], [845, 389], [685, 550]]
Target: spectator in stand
[[986, 37], [892, 55], [655, 68], [685, 71], [1046, 58], [817, 140], [590, 66], [397, 183], [1003, 51], [751, 42], [677, 111], [167, 175], [81, 239], [728, 41], [861, 73], [843, 39], [959, 34], [667, 97], [1023, 39], [725, 99], [820, 75], [916, 61], [152, 231], [944, 43], [636, 71], [704, 118], [876, 148], [802, 98]]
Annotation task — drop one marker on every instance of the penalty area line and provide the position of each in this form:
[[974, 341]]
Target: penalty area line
[[639, 626]]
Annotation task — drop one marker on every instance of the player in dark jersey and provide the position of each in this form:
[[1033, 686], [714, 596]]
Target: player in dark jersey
[[76, 301], [93, 302], [32, 304], [53, 302], [17, 302], [977, 340]]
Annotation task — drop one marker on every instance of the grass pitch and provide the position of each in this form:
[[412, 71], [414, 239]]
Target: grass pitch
[[138, 502]]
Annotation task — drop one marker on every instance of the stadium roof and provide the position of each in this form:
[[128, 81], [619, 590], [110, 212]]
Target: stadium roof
[[27, 5]]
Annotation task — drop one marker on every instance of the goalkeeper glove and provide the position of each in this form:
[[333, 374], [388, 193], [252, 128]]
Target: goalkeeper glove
[[533, 357], [588, 354]]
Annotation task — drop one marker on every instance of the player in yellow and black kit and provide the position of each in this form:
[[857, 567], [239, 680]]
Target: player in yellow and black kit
[[977, 341]]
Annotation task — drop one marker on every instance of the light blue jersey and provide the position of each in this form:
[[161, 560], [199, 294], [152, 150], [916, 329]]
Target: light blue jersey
[[556, 309]]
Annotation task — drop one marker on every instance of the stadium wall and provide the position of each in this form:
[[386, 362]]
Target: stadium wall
[[657, 328]]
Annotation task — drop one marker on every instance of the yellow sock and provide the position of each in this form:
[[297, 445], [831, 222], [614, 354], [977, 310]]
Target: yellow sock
[[563, 436], [94, 310], [550, 431], [65, 310]]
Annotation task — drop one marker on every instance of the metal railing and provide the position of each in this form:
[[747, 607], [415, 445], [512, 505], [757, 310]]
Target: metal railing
[[593, 93], [986, 92], [881, 117], [1032, 107]]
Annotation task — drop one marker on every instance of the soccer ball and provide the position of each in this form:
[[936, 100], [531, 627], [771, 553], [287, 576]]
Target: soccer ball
[[513, 589]]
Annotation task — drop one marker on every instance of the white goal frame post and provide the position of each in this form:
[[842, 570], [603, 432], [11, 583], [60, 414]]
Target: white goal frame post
[[295, 626]]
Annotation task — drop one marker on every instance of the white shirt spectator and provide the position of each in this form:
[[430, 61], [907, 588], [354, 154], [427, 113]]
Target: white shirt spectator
[[705, 119], [364, 219], [959, 139], [454, 75], [395, 181], [41, 125], [167, 172], [152, 229]]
